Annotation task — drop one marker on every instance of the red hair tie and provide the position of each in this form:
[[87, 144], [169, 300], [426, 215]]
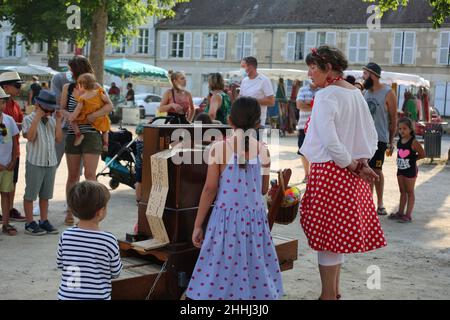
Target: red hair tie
[[314, 51]]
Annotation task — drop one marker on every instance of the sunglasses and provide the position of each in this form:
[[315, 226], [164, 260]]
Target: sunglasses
[[3, 130]]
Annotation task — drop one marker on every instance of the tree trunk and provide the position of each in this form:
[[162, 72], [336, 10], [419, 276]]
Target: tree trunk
[[98, 40], [53, 54]]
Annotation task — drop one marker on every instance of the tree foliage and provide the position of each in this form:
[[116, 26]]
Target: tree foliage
[[441, 9]]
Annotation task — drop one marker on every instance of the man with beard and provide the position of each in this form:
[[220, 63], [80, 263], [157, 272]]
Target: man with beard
[[382, 103]]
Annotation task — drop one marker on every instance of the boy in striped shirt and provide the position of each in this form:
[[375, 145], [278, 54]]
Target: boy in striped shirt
[[89, 258], [42, 132]]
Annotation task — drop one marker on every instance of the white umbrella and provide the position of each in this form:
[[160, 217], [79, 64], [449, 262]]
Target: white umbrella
[[388, 77], [275, 74], [31, 70]]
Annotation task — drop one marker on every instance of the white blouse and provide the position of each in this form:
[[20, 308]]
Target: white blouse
[[341, 128]]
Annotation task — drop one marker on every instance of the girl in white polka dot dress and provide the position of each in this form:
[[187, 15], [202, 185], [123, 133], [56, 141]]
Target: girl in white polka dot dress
[[338, 215]]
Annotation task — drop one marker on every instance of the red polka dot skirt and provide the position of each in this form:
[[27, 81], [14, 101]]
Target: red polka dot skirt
[[338, 213]]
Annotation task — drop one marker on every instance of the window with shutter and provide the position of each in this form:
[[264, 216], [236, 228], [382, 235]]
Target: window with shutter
[[143, 41], [331, 38], [151, 42], [409, 47], [321, 39], [397, 53], [10, 46], [197, 45], [187, 49], [353, 47], [221, 50], [310, 42], [239, 45], [164, 45], [248, 44], [177, 45], [290, 46], [363, 47], [444, 49]]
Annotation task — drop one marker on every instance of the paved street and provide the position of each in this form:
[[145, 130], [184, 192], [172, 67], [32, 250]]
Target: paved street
[[414, 265]]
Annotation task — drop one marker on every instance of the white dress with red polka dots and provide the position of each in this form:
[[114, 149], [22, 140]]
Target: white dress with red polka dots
[[237, 259], [338, 213]]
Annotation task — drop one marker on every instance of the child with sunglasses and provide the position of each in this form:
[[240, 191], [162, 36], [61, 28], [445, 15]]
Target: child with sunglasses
[[42, 132], [8, 156]]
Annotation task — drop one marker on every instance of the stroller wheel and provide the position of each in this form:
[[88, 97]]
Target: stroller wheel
[[113, 183]]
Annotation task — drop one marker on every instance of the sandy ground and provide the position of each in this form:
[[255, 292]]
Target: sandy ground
[[414, 265]]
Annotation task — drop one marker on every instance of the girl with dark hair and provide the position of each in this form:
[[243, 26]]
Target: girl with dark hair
[[237, 258], [177, 102], [409, 150], [219, 104], [338, 215]]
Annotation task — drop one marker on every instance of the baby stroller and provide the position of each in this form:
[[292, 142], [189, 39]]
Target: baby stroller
[[120, 159]]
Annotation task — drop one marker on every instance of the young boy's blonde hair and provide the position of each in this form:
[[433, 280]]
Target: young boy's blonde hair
[[87, 198], [87, 81]]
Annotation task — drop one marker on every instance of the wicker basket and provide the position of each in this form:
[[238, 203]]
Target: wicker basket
[[285, 215]]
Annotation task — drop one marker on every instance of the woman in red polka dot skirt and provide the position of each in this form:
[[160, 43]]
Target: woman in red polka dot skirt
[[338, 215]]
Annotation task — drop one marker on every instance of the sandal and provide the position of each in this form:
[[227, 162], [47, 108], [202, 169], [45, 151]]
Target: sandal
[[382, 211], [9, 230], [395, 216], [404, 219]]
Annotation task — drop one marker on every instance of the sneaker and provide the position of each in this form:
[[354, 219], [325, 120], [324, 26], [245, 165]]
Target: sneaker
[[33, 229], [46, 226], [15, 215], [36, 210]]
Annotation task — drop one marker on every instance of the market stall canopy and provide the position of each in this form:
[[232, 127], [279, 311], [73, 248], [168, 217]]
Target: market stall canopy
[[388, 77], [275, 74], [30, 70], [139, 72]]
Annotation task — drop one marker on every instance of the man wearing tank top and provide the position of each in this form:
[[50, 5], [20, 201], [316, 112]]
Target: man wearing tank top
[[382, 103]]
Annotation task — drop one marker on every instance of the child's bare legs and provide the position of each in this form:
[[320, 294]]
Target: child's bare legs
[[410, 184], [5, 201], [338, 276], [78, 136], [105, 139], [403, 194], [328, 276]]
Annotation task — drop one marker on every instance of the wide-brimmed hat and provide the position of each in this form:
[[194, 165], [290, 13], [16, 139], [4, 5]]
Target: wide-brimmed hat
[[10, 77], [3, 95], [47, 100], [373, 68]]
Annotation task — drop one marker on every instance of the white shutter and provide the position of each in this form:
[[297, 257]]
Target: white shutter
[[248, 44], [310, 41], [2, 44], [109, 49], [151, 42], [444, 48], [221, 48], [353, 47], [164, 45], [330, 39], [363, 47], [239, 45], [401, 96], [446, 112], [197, 45], [129, 46], [409, 51], [439, 97], [290, 46], [187, 49], [18, 46], [397, 48]]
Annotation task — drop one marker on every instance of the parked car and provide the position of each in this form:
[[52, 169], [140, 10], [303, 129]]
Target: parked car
[[149, 101], [420, 125]]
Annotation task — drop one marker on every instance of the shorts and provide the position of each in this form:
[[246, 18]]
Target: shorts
[[6, 181], [410, 173], [39, 181], [301, 139], [91, 144], [16, 172], [377, 160]]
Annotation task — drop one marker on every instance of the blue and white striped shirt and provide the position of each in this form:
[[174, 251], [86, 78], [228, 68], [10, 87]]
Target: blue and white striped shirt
[[89, 260]]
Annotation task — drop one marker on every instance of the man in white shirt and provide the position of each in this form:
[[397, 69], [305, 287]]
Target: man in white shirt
[[257, 86]]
